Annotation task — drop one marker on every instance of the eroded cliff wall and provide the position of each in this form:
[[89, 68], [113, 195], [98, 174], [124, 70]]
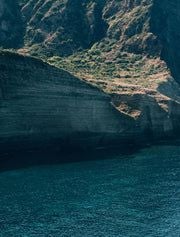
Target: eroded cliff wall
[[127, 48], [41, 103]]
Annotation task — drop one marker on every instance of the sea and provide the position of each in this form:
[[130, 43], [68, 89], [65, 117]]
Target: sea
[[103, 194]]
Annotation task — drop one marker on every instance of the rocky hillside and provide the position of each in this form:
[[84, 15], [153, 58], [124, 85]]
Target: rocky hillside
[[107, 28], [63, 27], [135, 26], [127, 48]]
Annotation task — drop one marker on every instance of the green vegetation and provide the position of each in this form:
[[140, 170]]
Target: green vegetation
[[108, 71], [107, 43]]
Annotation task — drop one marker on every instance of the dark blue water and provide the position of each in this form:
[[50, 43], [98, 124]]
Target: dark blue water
[[127, 195]]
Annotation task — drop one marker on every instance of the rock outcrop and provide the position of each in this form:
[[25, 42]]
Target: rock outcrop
[[63, 27], [155, 114], [128, 48], [40, 103], [148, 27]]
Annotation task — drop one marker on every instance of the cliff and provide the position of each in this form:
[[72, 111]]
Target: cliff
[[128, 49], [42, 104]]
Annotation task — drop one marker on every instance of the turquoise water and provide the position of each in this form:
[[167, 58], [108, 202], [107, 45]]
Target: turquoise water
[[134, 195]]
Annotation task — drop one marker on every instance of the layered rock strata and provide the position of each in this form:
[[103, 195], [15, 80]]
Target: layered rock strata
[[40, 103]]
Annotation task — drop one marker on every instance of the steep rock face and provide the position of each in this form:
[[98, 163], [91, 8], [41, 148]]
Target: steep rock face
[[11, 29], [143, 29], [129, 26], [126, 42], [66, 25], [155, 114], [41, 103], [148, 27], [63, 26]]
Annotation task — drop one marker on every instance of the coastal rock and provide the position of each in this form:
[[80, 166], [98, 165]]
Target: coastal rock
[[155, 114], [128, 48], [42, 104]]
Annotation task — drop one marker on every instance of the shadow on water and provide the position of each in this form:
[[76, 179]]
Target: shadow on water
[[126, 195], [51, 156]]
